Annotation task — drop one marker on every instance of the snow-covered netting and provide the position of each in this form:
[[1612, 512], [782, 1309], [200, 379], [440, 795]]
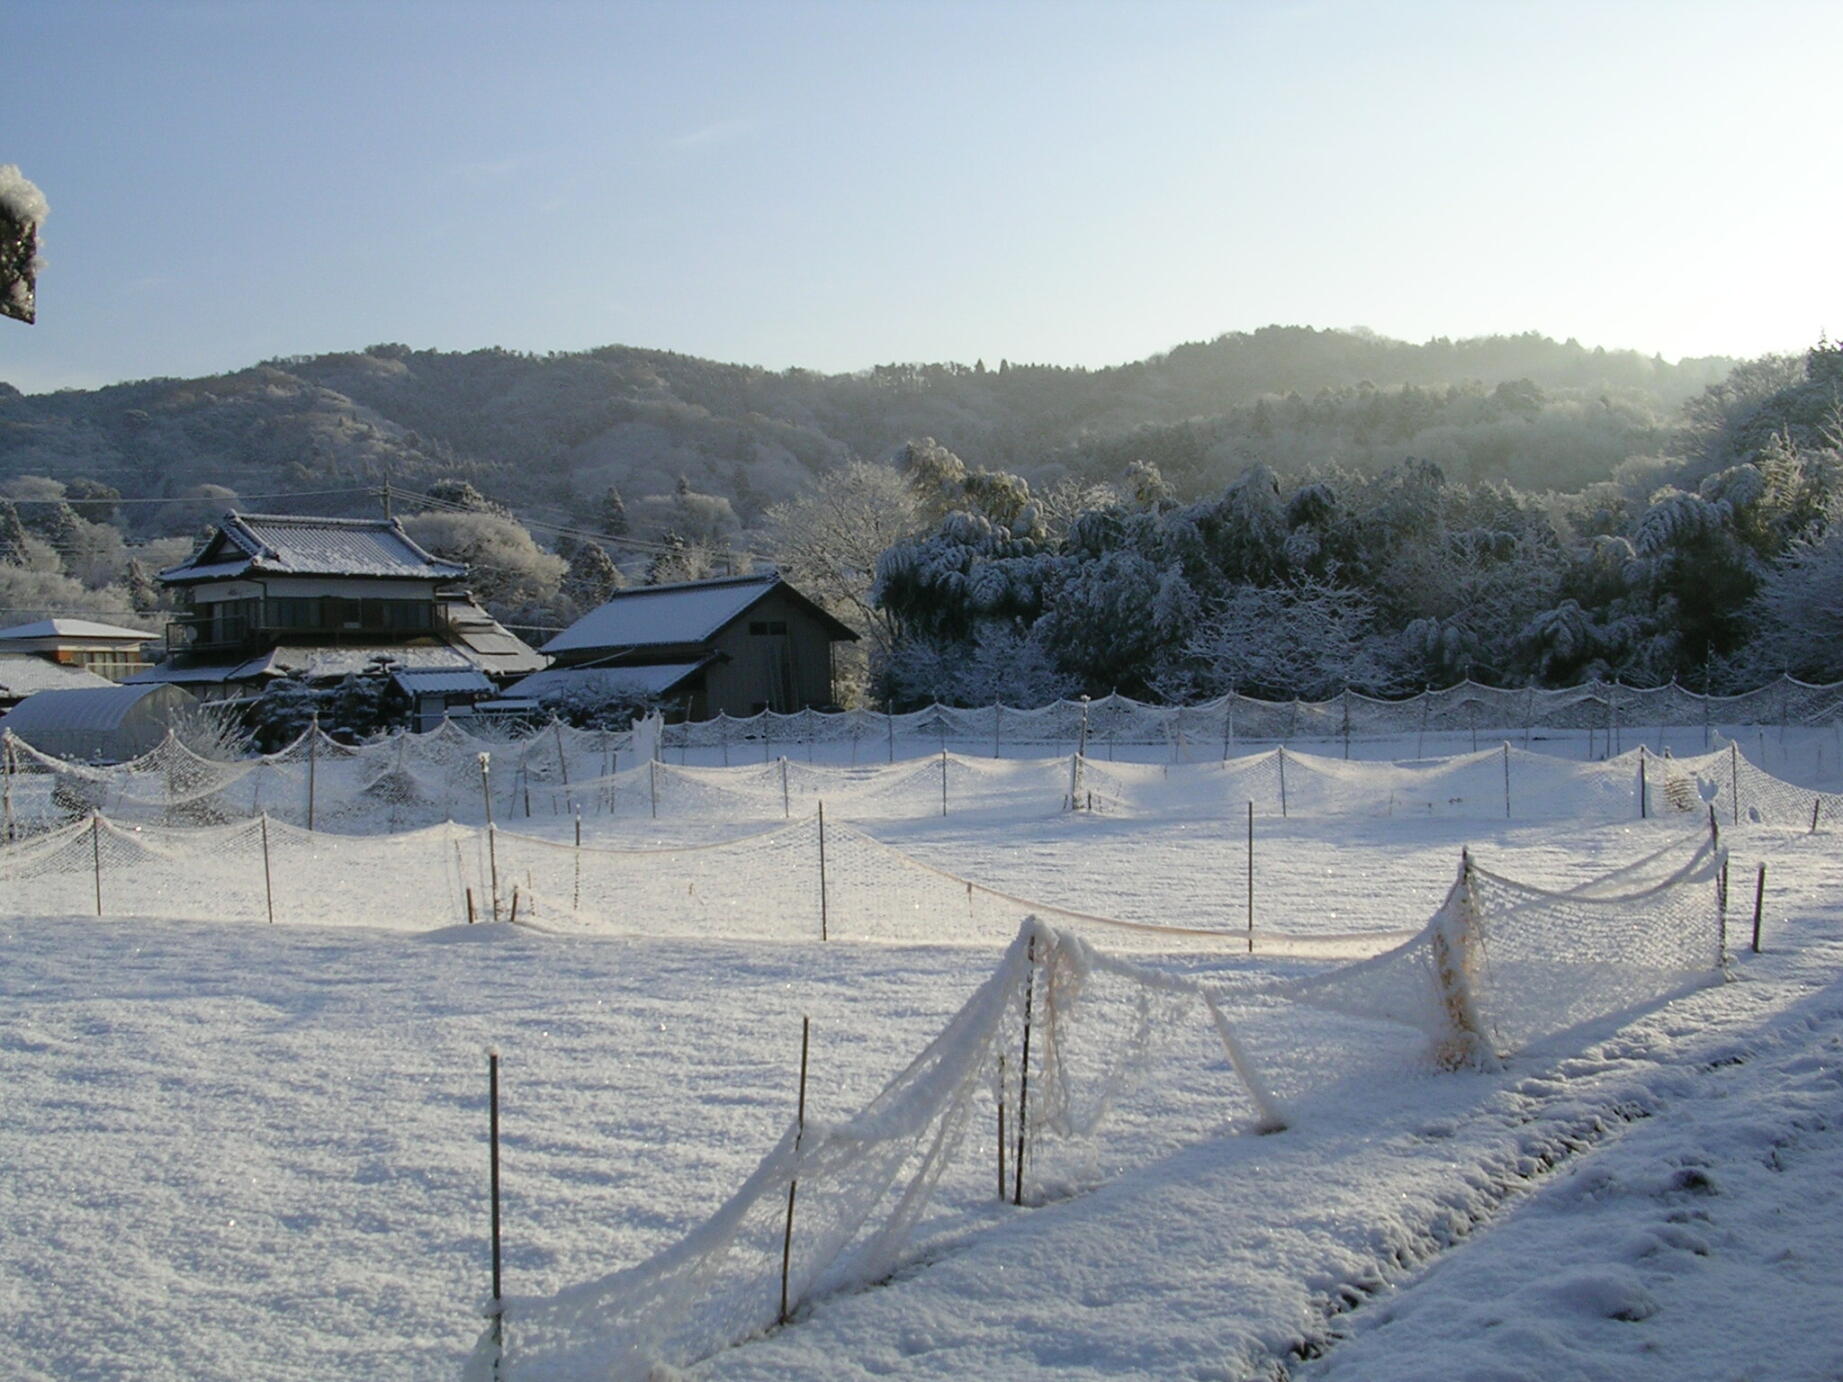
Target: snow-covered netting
[[1503, 964], [1220, 728], [416, 780], [805, 880], [1036, 1062]]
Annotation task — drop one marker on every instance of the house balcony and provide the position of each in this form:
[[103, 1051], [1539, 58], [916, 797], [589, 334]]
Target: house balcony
[[252, 626]]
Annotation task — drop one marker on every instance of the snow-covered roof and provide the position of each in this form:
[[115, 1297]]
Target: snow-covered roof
[[443, 681], [609, 682], [662, 615], [72, 628], [488, 642], [296, 545], [313, 660], [23, 674]]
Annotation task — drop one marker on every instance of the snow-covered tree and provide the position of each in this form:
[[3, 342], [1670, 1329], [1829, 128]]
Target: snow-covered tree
[[22, 210]]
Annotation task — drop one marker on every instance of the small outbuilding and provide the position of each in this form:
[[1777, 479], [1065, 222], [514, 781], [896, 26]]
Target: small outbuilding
[[109, 650], [737, 645], [107, 725]]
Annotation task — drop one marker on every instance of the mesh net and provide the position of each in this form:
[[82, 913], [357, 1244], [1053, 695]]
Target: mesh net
[[867, 1186], [413, 781], [1503, 964]]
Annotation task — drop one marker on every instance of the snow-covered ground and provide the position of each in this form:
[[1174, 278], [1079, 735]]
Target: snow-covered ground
[[238, 1152]]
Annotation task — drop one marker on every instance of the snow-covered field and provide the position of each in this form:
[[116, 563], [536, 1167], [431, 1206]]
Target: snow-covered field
[[232, 1151]]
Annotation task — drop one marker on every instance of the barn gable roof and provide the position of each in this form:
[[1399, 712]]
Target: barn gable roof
[[689, 612]]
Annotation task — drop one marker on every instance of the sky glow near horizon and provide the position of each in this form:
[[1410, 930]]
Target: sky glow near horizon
[[833, 185]]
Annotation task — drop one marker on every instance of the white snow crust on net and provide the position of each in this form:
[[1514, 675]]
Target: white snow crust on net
[[868, 1184], [787, 883], [1214, 729], [415, 780], [1504, 964]]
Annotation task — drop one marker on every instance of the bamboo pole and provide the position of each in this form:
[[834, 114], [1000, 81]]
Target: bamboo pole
[[786, 806], [943, 782], [652, 779], [1001, 1128], [1023, 1095], [824, 930], [492, 1141], [1250, 878], [1734, 780], [268, 882], [563, 765], [576, 890], [1281, 751], [793, 1182], [313, 758], [96, 854], [1644, 800], [6, 795], [1759, 898]]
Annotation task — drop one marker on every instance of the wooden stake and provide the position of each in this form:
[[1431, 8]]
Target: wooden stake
[[1250, 878], [1023, 1094], [1644, 801], [514, 917], [96, 855], [793, 1182], [943, 782], [313, 757], [1816, 803], [6, 791], [576, 890], [1001, 1128], [653, 782], [1759, 897], [889, 726], [1734, 779], [1282, 752], [786, 807], [1507, 779], [492, 1141], [470, 905], [823, 932], [268, 883], [492, 862]]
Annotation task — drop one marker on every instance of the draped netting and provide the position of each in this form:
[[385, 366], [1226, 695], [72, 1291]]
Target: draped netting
[[799, 881], [1215, 729], [402, 782], [1503, 964], [414, 781], [871, 1184]]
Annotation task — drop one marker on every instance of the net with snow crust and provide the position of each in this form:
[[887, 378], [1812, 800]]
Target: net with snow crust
[[1499, 966], [899, 1170], [1503, 964], [416, 780]]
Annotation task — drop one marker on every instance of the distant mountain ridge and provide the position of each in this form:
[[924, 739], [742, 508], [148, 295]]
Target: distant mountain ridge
[[551, 433]]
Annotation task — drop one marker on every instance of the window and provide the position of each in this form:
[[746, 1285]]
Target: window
[[767, 626]]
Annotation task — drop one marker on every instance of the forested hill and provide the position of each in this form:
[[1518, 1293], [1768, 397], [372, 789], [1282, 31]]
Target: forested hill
[[553, 433]]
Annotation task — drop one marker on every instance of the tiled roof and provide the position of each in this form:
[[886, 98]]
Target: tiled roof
[[22, 674], [71, 628], [443, 681], [611, 682], [293, 545]]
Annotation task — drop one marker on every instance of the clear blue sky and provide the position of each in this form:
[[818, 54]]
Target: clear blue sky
[[834, 185]]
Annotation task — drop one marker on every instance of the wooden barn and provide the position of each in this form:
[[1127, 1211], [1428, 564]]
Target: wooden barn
[[737, 645]]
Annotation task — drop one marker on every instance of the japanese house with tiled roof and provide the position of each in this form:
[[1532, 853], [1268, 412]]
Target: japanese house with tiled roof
[[271, 594], [738, 645]]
